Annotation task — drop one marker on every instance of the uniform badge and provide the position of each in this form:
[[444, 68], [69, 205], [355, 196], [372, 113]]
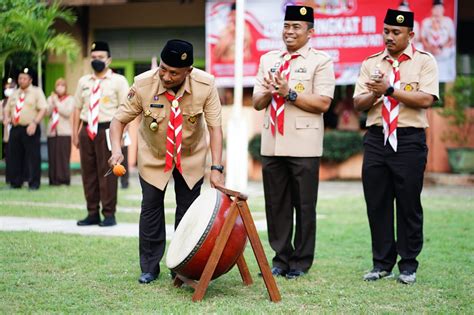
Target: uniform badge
[[105, 99], [287, 57], [301, 70], [299, 87], [184, 56], [303, 11], [400, 19], [155, 98], [192, 119], [154, 126], [175, 103], [157, 105], [130, 95], [147, 113], [408, 88], [272, 70], [395, 64]]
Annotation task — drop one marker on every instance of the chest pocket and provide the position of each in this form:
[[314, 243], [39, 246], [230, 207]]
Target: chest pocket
[[410, 83], [193, 127], [300, 82], [156, 140]]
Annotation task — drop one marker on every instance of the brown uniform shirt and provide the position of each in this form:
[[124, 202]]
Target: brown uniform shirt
[[419, 73], [65, 108], [312, 73], [114, 91], [34, 102], [200, 105]]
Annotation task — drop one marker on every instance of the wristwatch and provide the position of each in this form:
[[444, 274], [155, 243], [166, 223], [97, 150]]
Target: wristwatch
[[389, 91], [292, 95], [219, 168]]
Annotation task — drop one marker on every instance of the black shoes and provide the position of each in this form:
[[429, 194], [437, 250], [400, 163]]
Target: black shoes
[[294, 273], [108, 221], [277, 272], [89, 220], [147, 277]]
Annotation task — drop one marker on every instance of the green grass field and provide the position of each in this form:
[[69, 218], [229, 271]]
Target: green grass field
[[58, 273]]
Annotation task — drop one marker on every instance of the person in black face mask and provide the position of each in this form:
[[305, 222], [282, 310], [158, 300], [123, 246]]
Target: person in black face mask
[[98, 95]]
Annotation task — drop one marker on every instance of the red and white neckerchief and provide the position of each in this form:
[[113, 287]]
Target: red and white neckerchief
[[174, 133], [277, 108], [93, 113], [19, 106], [391, 108], [55, 113]]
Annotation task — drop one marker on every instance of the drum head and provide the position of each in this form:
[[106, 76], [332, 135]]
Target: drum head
[[192, 229]]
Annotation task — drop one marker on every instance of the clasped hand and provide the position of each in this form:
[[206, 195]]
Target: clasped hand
[[276, 84], [378, 86]]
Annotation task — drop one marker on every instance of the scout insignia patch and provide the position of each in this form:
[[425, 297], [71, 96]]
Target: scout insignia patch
[[192, 119], [155, 98], [303, 11], [130, 95], [301, 70], [299, 87], [400, 19], [147, 113], [105, 99], [408, 88]]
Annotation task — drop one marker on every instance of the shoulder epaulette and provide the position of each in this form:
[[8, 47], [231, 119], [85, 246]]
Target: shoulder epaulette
[[375, 55], [202, 76], [145, 78]]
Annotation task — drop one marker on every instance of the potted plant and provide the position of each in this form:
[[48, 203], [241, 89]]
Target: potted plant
[[461, 119]]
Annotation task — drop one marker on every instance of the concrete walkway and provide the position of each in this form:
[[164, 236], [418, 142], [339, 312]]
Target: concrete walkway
[[327, 190], [70, 227]]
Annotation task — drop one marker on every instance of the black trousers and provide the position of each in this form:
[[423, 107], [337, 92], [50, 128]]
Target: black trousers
[[291, 183], [124, 178], [152, 232], [24, 157], [391, 178]]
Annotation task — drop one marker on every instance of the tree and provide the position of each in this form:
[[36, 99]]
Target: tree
[[30, 27]]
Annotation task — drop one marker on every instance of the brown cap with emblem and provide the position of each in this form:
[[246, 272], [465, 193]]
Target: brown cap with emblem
[[399, 18], [299, 13], [177, 53]]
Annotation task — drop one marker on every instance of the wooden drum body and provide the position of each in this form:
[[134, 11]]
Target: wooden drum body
[[194, 239]]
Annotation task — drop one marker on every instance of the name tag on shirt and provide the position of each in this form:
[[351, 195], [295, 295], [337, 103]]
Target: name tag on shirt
[[157, 105]]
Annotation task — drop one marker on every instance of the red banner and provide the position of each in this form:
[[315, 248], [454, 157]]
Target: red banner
[[348, 30]]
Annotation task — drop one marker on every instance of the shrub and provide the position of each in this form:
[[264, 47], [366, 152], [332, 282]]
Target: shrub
[[338, 145]]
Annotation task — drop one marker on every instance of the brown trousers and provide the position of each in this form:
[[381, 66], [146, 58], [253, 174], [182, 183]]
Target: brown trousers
[[59, 154], [97, 188]]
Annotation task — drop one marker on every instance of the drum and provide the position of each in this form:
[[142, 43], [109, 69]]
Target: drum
[[194, 239]]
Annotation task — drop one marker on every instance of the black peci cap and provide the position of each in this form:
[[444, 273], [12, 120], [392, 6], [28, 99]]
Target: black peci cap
[[29, 72], [399, 18], [100, 46], [178, 53], [299, 13]]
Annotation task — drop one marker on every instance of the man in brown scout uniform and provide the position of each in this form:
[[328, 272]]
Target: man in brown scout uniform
[[396, 86], [175, 102], [295, 87], [98, 95], [24, 110]]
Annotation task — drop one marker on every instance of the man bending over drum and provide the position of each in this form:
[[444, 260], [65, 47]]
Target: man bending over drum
[[175, 102]]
